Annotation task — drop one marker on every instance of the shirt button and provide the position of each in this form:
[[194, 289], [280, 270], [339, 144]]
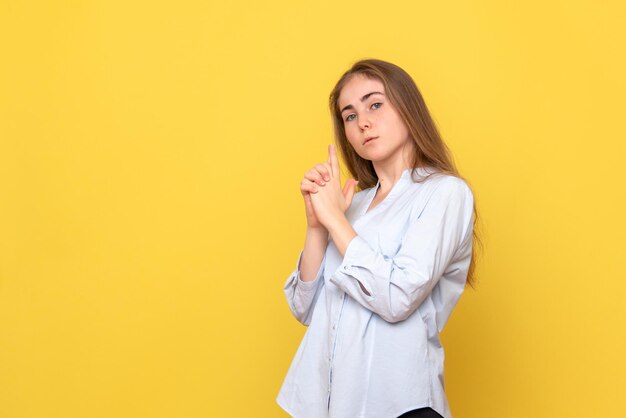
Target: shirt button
[[333, 326]]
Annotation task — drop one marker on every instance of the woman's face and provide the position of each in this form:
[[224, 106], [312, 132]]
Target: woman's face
[[367, 112]]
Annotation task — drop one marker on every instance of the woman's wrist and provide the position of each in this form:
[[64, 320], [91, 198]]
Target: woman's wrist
[[318, 230]]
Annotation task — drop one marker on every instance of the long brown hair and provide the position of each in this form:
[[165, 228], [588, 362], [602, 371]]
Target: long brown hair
[[429, 149]]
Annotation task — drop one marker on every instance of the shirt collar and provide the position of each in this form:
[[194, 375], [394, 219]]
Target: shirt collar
[[405, 176]]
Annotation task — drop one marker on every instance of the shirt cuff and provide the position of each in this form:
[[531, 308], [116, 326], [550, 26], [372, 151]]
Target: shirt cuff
[[297, 281], [357, 249]]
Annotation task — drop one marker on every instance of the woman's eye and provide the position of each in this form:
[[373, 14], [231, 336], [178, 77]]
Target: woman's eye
[[348, 118]]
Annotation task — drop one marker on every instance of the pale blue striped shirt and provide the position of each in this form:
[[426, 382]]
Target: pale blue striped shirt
[[372, 347]]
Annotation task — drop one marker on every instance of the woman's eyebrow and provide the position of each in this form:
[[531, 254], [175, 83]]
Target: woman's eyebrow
[[362, 99]]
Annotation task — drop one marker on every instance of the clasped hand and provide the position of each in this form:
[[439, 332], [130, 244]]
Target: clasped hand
[[325, 200]]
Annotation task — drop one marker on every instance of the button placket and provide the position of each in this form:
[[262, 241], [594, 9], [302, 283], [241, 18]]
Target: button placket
[[334, 339]]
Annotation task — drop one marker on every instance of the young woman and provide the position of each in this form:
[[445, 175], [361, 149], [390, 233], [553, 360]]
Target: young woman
[[382, 268]]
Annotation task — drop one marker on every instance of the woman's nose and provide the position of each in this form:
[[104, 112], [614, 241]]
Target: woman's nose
[[364, 123]]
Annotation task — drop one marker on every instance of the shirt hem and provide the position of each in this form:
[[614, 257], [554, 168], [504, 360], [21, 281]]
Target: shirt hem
[[280, 403], [428, 404]]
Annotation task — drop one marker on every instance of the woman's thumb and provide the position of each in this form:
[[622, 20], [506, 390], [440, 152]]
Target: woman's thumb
[[349, 190]]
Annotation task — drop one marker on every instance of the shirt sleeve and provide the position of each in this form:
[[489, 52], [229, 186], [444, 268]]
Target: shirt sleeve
[[301, 295], [395, 287]]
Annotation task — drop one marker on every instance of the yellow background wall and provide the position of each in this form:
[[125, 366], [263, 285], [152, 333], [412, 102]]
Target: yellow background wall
[[150, 160]]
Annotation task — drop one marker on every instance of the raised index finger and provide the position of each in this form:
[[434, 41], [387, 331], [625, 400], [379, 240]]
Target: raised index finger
[[332, 160]]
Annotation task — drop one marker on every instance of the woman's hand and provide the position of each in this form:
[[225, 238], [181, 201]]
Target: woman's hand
[[313, 179], [330, 202]]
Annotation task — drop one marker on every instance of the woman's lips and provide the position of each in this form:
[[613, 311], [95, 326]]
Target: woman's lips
[[369, 140]]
